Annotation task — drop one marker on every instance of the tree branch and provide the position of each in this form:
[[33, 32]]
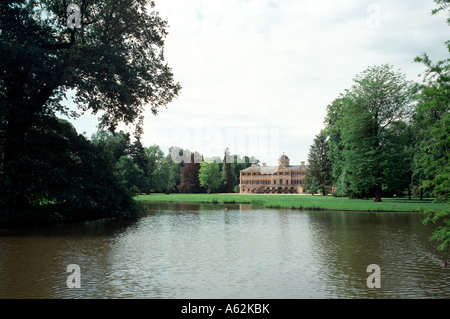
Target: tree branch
[[57, 46]]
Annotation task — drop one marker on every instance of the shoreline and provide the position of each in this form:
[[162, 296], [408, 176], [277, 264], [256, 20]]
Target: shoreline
[[306, 202]]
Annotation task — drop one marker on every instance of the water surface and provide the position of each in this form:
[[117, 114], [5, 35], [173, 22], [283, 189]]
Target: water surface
[[226, 251]]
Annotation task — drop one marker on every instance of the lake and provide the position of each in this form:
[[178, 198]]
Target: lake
[[212, 251]]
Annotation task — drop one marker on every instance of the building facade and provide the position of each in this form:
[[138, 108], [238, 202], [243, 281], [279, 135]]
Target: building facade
[[281, 179]]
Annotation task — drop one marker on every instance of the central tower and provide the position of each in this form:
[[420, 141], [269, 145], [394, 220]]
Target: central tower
[[283, 160]]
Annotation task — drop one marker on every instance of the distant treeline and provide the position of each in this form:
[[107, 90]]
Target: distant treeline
[[147, 169], [64, 176]]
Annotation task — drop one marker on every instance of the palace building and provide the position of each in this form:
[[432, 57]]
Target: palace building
[[281, 179]]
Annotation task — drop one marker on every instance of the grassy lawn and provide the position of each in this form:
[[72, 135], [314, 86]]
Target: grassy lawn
[[302, 201]]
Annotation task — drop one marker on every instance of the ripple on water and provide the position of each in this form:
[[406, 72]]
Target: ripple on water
[[208, 252]]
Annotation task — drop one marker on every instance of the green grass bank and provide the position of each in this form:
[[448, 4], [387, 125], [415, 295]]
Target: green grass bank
[[309, 202]]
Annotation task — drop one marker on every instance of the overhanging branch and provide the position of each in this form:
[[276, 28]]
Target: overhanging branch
[[58, 46]]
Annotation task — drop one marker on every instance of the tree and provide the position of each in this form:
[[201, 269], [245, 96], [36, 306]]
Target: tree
[[189, 175], [228, 176], [398, 149], [117, 144], [72, 179], [130, 175], [174, 177], [432, 130], [431, 126], [209, 176], [174, 171], [379, 98], [157, 178], [333, 129], [319, 165], [163, 177], [137, 153], [114, 63], [441, 221], [313, 186], [442, 6]]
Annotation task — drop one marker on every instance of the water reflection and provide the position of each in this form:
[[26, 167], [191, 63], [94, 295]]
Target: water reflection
[[410, 265], [182, 250]]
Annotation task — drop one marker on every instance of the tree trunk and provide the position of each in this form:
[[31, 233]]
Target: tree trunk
[[378, 194]]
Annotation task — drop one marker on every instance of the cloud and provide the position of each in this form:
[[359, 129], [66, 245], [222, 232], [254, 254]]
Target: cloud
[[277, 64]]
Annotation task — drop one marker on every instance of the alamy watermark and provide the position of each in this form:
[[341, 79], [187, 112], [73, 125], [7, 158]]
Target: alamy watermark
[[74, 16], [254, 142], [74, 279], [374, 19], [374, 280]]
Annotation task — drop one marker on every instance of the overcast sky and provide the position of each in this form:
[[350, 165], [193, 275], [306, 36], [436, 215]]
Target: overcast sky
[[257, 75]]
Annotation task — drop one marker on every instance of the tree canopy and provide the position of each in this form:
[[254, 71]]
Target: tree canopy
[[112, 61], [209, 176], [365, 126]]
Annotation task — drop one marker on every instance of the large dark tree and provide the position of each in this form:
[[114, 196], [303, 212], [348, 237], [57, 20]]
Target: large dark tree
[[113, 62], [189, 175], [68, 179]]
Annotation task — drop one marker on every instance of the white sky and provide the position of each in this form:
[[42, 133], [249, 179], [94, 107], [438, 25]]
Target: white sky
[[257, 75]]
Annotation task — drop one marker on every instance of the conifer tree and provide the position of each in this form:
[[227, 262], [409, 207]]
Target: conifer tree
[[319, 164], [227, 172]]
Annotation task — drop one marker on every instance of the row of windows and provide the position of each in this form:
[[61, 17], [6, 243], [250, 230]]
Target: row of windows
[[273, 182], [275, 174], [279, 190]]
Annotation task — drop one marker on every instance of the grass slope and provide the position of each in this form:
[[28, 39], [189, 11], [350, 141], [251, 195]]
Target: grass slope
[[316, 202]]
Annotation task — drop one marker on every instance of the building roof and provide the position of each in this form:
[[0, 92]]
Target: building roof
[[272, 169]]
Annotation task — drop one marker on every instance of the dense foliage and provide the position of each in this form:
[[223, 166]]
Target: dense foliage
[[318, 175], [373, 114], [67, 178], [387, 136], [432, 138], [390, 137], [113, 62], [209, 176]]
